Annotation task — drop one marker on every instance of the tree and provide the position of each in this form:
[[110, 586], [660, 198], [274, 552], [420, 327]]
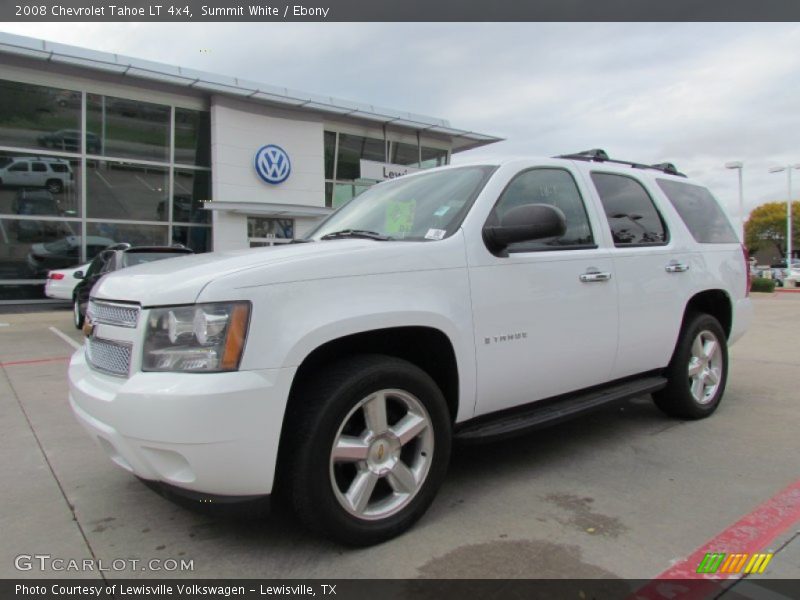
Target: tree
[[766, 227]]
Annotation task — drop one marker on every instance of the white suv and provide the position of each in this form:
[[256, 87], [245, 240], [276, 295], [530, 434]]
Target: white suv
[[55, 174], [465, 302]]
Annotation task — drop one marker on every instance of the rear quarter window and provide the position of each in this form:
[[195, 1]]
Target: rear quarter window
[[700, 211]]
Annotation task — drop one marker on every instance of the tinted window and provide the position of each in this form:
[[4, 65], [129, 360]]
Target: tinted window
[[547, 186], [631, 214], [352, 148], [433, 157], [128, 191], [131, 129], [330, 149], [20, 166], [196, 238], [192, 137], [39, 167], [700, 211], [192, 190], [136, 235], [34, 116]]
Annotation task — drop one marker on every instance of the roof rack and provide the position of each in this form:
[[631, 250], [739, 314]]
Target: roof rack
[[599, 155]]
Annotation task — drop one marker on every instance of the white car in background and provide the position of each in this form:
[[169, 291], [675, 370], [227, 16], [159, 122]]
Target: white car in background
[[61, 282]]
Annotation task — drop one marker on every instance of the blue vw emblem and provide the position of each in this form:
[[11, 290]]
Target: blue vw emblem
[[273, 164]]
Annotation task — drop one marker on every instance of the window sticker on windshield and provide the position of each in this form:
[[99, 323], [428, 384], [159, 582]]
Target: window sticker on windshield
[[400, 216], [441, 211], [435, 234]]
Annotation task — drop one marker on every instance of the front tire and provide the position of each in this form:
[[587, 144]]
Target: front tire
[[368, 447], [77, 316], [698, 371]]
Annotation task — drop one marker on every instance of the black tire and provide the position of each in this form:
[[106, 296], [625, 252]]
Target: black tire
[[55, 186], [314, 484], [77, 316], [678, 399]]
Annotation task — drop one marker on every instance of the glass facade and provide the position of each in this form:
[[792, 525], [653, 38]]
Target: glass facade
[[137, 172], [344, 151]]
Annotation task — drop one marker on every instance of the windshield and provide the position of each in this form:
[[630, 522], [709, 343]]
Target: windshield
[[61, 245], [137, 258], [429, 206]]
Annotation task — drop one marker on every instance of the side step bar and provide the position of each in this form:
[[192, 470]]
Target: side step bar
[[548, 412]]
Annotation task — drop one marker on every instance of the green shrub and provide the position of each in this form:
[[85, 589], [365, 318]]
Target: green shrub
[[762, 284]]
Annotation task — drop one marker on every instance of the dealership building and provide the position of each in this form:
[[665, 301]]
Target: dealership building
[[98, 148]]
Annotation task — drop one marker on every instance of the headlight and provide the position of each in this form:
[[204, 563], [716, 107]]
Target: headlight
[[198, 338]]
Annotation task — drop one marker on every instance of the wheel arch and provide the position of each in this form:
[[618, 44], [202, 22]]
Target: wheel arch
[[715, 302], [427, 347]]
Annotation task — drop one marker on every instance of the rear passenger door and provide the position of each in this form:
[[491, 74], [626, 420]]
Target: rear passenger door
[[651, 269]]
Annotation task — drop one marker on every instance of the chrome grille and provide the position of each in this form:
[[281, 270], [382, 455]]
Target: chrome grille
[[110, 357], [124, 315]]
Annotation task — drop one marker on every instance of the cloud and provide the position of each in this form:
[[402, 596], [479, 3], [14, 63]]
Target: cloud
[[697, 94]]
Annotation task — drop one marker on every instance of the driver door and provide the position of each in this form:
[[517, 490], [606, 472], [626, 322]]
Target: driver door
[[545, 314]]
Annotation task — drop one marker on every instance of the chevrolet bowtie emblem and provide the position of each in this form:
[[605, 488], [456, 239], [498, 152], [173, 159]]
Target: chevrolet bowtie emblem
[[88, 328]]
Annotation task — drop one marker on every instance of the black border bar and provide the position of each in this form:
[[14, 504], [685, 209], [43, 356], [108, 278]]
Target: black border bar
[[400, 10]]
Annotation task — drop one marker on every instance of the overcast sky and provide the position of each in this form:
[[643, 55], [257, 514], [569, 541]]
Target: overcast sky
[[697, 94]]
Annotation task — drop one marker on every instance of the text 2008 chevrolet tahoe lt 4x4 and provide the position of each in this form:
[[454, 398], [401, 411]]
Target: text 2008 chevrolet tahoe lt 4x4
[[465, 302]]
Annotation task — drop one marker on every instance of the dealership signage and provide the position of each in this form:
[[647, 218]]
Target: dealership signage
[[273, 164], [371, 169]]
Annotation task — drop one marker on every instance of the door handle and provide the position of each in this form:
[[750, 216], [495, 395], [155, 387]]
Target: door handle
[[676, 267], [592, 276]]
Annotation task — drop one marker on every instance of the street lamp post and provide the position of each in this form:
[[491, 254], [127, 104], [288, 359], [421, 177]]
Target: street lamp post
[[739, 166], [788, 169]]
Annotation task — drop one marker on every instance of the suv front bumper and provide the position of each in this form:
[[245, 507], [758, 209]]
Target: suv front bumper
[[212, 433]]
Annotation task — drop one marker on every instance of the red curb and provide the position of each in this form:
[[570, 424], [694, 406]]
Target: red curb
[[752, 533], [34, 361]]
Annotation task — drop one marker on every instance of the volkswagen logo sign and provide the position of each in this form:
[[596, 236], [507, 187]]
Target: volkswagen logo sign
[[273, 164]]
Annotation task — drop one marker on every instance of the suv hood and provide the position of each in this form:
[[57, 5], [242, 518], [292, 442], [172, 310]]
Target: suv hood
[[181, 280]]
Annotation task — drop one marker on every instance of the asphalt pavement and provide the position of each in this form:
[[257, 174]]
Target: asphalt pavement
[[622, 493]]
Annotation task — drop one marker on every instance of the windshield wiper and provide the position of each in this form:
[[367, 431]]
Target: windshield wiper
[[356, 233]]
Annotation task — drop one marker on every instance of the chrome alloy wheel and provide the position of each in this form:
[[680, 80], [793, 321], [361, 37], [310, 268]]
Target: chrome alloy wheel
[[705, 367], [381, 454]]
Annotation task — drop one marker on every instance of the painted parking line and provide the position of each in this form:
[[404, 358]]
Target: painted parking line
[[66, 338], [145, 184], [104, 180], [749, 535], [33, 361]]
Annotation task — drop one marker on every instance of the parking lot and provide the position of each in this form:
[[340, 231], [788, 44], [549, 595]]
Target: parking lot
[[625, 492]]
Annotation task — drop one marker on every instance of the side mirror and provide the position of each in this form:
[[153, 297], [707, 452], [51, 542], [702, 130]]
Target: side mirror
[[525, 223], [78, 275]]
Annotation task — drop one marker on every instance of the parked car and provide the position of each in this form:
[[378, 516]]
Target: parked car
[[64, 252], [114, 258], [69, 140], [61, 283], [781, 264], [55, 174], [35, 202], [470, 302]]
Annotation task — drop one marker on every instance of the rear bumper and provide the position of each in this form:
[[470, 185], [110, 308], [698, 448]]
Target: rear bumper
[[214, 434]]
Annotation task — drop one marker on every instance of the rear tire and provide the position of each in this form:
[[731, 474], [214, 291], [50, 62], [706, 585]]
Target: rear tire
[[366, 448], [698, 371]]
